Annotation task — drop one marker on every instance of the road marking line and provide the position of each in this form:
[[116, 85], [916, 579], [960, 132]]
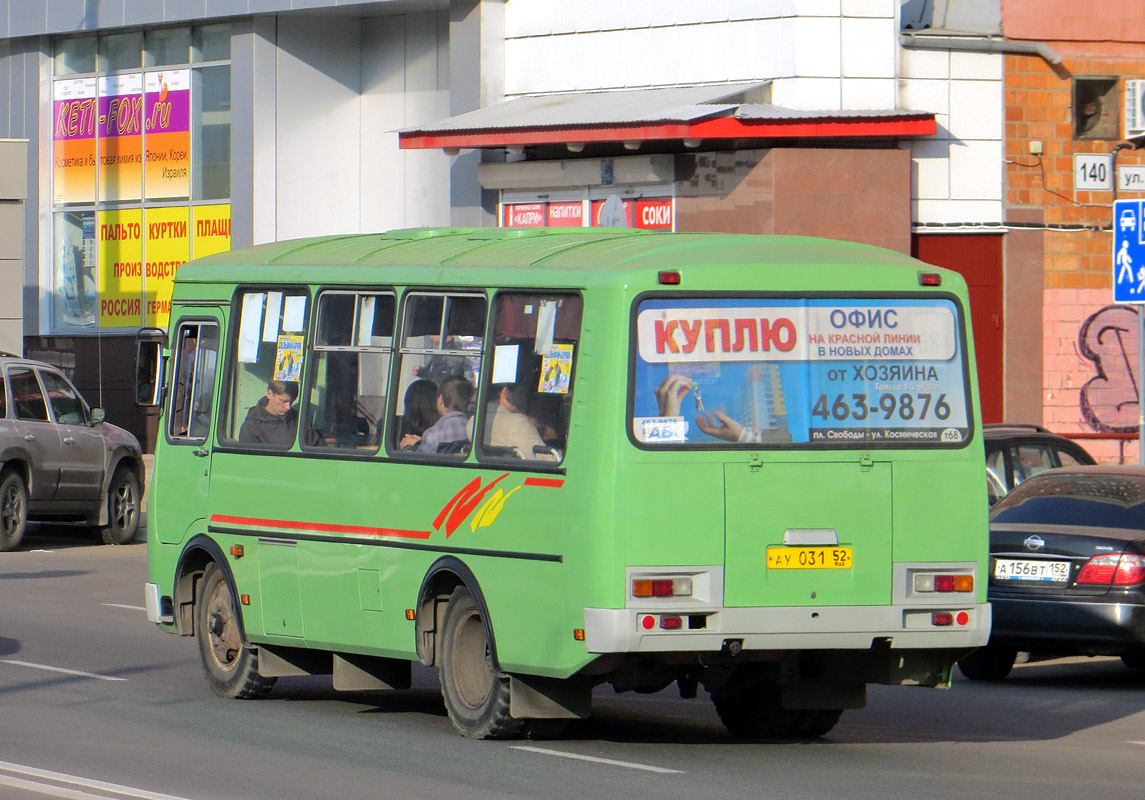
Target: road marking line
[[76, 672], [74, 780], [123, 605], [595, 760]]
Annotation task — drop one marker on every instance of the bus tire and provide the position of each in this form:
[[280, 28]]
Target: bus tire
[[816, 722], [230, 666], [756, 713], [13, 510], [476, 694], [122, 508], [989, 663]]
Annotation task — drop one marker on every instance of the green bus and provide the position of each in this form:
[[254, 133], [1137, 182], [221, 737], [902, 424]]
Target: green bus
[[544, 460]]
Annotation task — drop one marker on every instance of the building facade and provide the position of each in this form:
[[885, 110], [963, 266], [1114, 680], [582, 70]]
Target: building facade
[[160, 131]]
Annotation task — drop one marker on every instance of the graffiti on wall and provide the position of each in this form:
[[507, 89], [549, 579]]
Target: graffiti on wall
[[1108, 338]]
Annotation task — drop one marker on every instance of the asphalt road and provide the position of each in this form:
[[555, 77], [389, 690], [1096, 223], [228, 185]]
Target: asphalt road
[[95, 702]]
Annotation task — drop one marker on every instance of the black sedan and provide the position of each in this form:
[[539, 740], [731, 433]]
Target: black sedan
[[1067, 569]]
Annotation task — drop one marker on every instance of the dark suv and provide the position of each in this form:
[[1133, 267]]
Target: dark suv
[[59, 460], [1015, 451]]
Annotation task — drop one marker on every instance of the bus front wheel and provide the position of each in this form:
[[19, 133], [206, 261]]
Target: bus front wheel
[[231, 667], [757, 713], [476, 694]]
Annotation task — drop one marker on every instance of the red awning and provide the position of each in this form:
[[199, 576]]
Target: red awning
[[689, 114]]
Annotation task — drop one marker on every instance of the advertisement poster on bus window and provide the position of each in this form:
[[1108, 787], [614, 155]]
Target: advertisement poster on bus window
[[800, 372], [73, 141], [120, 127]]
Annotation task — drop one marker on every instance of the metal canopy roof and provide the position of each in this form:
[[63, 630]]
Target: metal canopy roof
[[683, 112]]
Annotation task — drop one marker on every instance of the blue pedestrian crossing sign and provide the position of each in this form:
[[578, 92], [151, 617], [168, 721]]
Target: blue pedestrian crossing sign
[[1128, 251]]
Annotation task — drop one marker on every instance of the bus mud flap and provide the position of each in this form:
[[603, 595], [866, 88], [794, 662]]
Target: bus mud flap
[[534, 697]]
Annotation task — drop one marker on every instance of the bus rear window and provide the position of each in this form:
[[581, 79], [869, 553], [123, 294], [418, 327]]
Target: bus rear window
[[799, 372]]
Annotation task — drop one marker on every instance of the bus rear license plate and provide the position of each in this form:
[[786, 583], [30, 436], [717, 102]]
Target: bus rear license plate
[[1013, 569], [808, 558]]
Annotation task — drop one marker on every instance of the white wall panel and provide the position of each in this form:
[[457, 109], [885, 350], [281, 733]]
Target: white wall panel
[[868, 48], [869, 8], [585, 15], [976, 66], [973, 211], [976, 170], [924, 95], [638, 13], [931, 174], [868, 93], [976, 109], [813, 94], [924, 63], [818, 8], [817, 47]]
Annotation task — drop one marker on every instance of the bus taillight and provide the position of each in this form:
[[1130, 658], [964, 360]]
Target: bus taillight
[[662, 587], [943, 583]]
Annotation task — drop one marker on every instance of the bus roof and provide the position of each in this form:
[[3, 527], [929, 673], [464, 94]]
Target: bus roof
[[562, 254]]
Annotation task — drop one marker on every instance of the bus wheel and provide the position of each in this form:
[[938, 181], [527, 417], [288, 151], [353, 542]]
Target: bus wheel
[[989, 663], [13, 511], [122, 508], [476, 695], [231, 667], [756, 713]]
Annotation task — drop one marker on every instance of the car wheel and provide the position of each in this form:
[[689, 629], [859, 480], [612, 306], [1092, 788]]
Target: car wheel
[[122, 508], [231, 666], [989, 663], [476, 694], [13, 511]]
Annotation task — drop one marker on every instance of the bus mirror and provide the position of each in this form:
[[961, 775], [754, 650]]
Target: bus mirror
[[149, 368]]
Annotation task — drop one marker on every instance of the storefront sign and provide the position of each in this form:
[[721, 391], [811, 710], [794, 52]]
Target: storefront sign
[[120, 126], [566, 215], [168, 247], [525, 215], [167, 126], [212, 230], [73, 137], [120, 237]]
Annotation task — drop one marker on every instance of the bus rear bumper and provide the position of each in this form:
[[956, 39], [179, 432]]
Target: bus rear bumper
[[628, 630]]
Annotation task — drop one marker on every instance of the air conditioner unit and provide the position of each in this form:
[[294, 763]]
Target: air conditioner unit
[[1134, 109]]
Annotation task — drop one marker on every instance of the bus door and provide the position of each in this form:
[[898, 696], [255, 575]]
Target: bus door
[[808, 533], [184, 480]]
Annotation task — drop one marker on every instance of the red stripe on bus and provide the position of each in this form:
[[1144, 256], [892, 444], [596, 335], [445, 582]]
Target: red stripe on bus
[[553, 483], [319, 526]]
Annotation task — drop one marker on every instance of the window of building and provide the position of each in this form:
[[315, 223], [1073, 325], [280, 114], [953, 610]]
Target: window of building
[[349, 371], [528, 391], [140, 177], [1096, 107], [266, 368], [439, 358]]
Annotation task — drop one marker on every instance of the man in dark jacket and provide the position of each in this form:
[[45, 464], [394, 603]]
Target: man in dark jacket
[[273, 420]]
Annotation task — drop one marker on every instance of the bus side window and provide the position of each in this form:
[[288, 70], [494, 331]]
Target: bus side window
[[529, 391], [266, 369], [196, 364], [353, 340], [440, 356]]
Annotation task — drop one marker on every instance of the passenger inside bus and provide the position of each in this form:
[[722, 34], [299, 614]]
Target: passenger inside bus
[[419, 412], [272, 420], [448, 435], [507, 426]]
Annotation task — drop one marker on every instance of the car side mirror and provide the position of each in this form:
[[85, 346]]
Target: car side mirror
[[149, 367], [98, 415]]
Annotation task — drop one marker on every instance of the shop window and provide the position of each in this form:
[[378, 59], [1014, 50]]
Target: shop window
[[211, 43], [267, 360], [121, 51], [163, 46], [528, 392], [211, 120], [349, 370], [74, 56], [440, 354], [1095, 108], [196, 347]]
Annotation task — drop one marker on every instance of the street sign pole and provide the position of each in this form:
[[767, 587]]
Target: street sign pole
[[1129, 287]]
